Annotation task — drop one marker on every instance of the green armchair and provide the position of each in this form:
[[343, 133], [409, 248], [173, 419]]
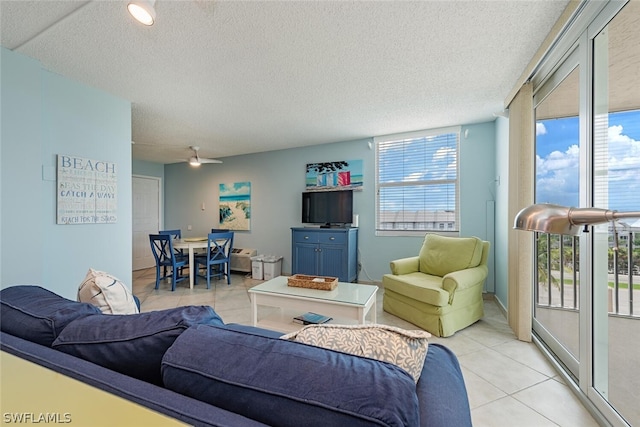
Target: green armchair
[[440, 290]]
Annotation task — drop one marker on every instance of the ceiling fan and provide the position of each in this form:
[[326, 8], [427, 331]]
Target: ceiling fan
[[196, 160]]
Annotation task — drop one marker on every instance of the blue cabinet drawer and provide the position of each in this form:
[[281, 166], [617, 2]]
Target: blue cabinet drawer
[[333, 238], [305, 237]]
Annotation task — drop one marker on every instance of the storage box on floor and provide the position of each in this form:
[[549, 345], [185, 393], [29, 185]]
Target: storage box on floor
[[266, 267], [256, 267]]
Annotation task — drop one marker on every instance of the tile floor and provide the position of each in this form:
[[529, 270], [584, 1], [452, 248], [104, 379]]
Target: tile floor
[[509, 382]]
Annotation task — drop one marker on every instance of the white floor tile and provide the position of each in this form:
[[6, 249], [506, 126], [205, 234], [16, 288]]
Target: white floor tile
[[528, 354], [508, 412], [501, 371], [479, 390], [556, 402]]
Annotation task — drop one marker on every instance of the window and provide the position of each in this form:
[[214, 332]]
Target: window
[[417, 182]]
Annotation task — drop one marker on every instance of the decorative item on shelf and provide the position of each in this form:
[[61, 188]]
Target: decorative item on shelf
[[313, 282]]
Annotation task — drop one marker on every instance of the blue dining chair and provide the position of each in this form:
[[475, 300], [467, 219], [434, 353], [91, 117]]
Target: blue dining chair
[[163, 252], [217, 260], [175, 234]]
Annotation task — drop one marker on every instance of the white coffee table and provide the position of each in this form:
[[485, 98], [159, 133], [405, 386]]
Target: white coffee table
[[348, 303]]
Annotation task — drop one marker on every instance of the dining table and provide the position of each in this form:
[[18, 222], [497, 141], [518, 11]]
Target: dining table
[[191, 244]]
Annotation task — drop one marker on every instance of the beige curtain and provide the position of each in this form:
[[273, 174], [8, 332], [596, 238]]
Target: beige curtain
[[521, 180]]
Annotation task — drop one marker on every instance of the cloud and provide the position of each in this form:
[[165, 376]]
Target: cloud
[[623, 151], [416, 176], [540, 129], [444, 152], [558, 173], [558, 177], [235, 189]]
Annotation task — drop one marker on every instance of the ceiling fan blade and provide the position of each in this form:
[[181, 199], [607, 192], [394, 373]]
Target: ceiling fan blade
[[197, 160]]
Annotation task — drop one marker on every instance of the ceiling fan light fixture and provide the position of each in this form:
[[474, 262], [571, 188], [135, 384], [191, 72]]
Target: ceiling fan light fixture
[[195, 160], [143, 11]]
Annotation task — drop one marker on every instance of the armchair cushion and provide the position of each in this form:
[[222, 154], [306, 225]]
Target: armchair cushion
[[420, 287], [442, 255]]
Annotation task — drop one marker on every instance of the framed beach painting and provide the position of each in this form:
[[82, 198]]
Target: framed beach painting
[[341, 175], [235, 206]]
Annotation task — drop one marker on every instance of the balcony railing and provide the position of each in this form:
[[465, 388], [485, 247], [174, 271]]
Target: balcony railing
[[624, 275], [558, 273]]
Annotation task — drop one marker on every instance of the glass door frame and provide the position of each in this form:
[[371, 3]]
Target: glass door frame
[[567, 65], [578, 39], [598, 24]]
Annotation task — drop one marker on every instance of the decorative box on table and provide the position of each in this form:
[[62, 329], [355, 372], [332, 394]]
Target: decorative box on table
[[313, 282]]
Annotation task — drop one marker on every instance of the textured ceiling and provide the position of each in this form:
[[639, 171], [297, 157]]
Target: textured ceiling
[[237, 77]]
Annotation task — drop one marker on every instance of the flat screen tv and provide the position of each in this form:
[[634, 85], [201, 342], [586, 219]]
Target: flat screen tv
[[327, 208]]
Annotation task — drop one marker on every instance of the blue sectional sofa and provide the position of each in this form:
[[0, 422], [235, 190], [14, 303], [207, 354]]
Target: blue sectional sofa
[[187, 364]]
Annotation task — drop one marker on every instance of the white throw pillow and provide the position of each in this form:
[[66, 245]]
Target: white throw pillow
[[107, 293], [406, 349]]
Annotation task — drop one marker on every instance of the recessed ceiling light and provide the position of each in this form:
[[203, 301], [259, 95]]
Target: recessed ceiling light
[[143, 11]]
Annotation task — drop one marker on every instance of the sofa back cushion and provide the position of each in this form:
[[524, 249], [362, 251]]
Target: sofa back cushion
[[441, 255], [131, 344], [37, 314], [285, 383]]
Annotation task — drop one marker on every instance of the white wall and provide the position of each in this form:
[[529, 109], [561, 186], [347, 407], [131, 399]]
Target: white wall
[[43, 115], [278, 179]]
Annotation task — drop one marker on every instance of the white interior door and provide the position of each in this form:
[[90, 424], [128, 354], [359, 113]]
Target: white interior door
[[146, 219]]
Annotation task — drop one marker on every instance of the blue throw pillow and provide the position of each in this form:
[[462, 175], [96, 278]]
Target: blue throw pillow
[[38, 315], [285, 383], [132, 344]]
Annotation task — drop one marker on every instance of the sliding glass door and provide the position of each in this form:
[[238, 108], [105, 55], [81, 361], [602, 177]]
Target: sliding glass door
[[586, 293], [556, 302], [616, 185]]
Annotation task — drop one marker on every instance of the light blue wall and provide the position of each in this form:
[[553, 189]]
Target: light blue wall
[[43, 115], [22, 193], [478, 187], [503, 223], [140, 167], [278, 179]]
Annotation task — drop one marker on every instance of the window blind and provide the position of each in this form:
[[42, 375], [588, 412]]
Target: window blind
[[417, 181]]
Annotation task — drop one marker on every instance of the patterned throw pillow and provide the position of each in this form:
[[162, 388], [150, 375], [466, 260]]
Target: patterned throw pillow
[[107, 293], [406, 349]]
